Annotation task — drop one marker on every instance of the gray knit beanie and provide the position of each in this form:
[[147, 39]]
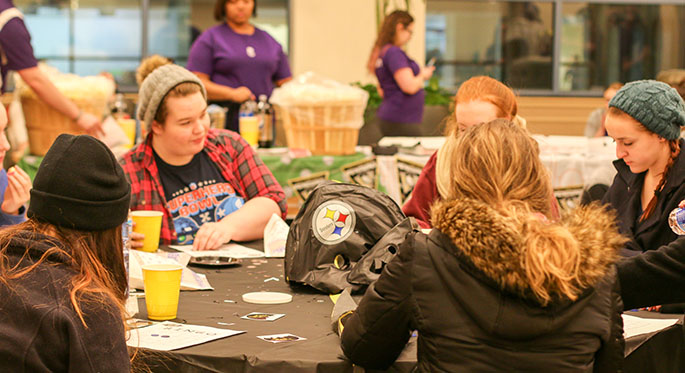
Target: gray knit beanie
[[157, 84], [656, 105]]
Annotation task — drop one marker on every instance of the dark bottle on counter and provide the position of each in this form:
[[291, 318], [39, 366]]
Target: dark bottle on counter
[[266, 122]]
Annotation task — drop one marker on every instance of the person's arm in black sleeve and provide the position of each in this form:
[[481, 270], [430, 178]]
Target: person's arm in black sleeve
[[654, 277], [375, 334]]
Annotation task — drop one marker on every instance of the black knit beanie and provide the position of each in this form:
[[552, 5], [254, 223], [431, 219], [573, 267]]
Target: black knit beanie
[[80, 185]]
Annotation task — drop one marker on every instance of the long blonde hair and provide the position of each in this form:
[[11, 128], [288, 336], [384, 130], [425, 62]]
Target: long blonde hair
[[477, 88], [498, 164]]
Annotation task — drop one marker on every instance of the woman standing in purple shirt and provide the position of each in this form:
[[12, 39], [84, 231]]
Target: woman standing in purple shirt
[[401, 79], [237, 61]]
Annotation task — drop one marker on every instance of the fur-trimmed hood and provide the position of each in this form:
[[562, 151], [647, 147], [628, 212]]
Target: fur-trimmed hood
[[477, 253], [495, 243]]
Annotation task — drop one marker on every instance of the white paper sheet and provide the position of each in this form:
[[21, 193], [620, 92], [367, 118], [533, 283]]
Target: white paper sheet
[[275, 236], [132, 305], [189, 280], [167, 336], [633, 325], [231, 250]]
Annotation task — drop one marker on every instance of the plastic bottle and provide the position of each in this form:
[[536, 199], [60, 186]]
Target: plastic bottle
[[126, 229], [676, 220], [119, 107], [266, 128], [249, 123]]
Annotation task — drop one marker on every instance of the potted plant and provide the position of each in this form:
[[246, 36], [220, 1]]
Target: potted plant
[[436, 107]]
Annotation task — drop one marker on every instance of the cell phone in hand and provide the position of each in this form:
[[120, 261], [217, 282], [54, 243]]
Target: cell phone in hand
[[431, 62]]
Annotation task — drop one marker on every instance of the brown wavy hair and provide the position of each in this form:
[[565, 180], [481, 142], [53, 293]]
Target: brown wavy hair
[[146, 67], [674, 148], [477, 88], [96, 257], [387, 33], [498, 163]]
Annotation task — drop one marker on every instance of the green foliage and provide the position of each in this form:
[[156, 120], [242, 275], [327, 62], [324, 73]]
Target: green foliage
[[374, 98], [435, 95]]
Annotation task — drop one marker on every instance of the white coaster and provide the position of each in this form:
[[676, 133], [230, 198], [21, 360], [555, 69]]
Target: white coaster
[[267, 297]]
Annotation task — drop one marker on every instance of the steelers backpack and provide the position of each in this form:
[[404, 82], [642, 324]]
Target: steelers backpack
[[343, 236]]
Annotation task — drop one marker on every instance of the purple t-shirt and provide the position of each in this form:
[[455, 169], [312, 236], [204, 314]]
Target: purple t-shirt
[[397, 106], [254, 61], [15, 45]]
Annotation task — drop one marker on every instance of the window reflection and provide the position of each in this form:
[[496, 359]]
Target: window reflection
[[602, 43], [170, 28], [510, 41]]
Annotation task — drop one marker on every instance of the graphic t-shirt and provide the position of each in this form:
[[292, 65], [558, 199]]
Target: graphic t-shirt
[[196, 193]]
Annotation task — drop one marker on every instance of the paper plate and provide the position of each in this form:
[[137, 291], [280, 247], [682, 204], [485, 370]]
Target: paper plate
[[267, 297]]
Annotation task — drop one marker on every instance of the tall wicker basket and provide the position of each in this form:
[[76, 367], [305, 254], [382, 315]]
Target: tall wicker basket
[[44, 123], [330, 128]]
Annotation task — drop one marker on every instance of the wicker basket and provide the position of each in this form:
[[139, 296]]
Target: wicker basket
[[44, 123], [325, 129]]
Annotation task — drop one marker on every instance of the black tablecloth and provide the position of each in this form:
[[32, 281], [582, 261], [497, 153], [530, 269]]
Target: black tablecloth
[[308, 316]]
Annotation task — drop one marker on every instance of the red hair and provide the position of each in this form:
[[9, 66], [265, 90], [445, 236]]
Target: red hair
[[484, 88]]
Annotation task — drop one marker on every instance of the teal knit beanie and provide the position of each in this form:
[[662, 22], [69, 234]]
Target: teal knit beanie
[[654, 104]]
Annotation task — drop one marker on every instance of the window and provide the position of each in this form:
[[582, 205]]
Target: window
[[555, 46], [86, 37], [605, 43]]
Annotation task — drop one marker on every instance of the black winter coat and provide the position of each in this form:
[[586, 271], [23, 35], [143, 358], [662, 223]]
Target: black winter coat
[[447, 286], [624, 195], [39, 329]]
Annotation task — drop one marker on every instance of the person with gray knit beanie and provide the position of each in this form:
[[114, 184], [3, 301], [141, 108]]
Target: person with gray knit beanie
[[645, 119], [209, 184]]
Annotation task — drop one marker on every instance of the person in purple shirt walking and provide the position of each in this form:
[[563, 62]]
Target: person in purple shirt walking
[[237, 61], [400, 78]]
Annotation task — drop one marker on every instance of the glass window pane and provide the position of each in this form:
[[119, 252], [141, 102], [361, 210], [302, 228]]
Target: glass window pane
[[272, 17], [107, 29], [124, 71], [106, 36], [48, 25], [510, 41], [604, 43], [170, 29]]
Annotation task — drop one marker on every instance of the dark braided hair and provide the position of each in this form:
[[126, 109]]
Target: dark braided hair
[[675, 151]]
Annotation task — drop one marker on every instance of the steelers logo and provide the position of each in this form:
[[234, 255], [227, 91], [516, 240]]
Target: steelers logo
[[333, 222]]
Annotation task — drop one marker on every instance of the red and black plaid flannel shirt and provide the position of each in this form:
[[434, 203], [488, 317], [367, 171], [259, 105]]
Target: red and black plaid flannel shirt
[[236, 161]]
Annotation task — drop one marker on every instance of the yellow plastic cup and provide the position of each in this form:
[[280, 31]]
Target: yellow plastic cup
[[129, 128], [249, 129], [148, 223], [162, 287]]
